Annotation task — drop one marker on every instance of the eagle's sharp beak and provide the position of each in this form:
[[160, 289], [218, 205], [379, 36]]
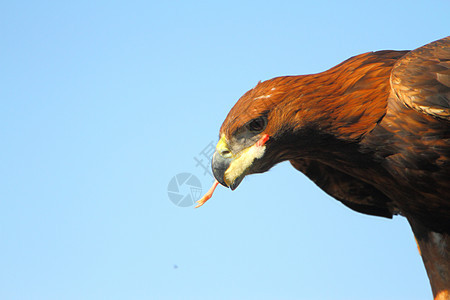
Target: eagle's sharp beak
[[230, 169], [219, 165], [221, 161]]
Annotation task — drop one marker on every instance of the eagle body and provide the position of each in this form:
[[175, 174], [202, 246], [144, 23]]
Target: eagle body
[[372, 132]]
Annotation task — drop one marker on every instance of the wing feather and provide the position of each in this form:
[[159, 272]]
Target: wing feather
[[421, 79], [352, 192]]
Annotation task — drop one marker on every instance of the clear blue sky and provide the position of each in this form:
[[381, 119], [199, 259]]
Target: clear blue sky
[[102, 103]]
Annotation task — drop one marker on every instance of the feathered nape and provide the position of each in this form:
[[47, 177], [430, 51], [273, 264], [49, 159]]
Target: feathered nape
[[347, 101]]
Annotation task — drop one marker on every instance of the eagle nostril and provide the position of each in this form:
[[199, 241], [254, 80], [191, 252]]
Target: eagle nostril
[[225, 153]]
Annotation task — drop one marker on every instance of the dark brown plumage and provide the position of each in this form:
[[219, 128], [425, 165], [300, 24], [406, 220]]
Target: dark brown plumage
[[373, 132]]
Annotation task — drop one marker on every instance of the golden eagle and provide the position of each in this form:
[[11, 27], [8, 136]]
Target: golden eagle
[[372, 132]]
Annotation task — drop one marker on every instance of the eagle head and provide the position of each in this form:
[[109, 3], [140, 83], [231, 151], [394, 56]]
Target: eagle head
[[250, 134]]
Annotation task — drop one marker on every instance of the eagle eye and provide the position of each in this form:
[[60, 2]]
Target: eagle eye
[[257, 125]]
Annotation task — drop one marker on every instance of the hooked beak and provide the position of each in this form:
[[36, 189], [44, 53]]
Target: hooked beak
[[220, 165], [230, 169]]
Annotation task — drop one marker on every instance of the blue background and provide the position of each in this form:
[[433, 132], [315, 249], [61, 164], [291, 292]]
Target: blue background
[[102, 103]]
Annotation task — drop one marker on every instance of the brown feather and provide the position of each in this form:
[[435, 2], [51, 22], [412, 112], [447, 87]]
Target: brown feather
[[373, 132], [346, 100]]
